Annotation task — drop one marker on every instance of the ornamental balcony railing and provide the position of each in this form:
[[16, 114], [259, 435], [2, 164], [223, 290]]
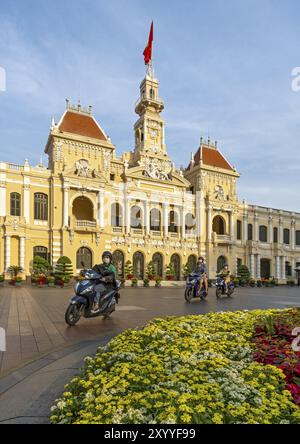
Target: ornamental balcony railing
[[85, 224], [223, 238]]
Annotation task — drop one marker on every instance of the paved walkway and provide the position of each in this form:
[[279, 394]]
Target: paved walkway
[[43, 353]]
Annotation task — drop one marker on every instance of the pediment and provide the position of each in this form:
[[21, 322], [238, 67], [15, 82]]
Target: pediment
[[81, 170], [173, 178]]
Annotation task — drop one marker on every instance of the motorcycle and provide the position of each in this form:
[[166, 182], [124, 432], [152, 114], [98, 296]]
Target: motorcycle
[[220, 287], [193, 289], [82, 303]]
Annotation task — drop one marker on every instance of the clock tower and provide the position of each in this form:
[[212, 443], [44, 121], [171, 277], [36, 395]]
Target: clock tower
[[149, 129]]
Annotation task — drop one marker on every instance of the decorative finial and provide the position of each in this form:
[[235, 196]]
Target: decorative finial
[[79, 105], [67, 103], [201, 140], [208, 141], [192, 159], [216, 143], [90, 109], [52, 122]]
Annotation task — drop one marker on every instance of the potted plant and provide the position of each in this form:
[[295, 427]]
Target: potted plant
[[50, 280], [236, 281], [252, 283], [64, 269], [41, 280], [1, 279], [18, 281], [188, 269], [146, 282], [170, 272], [259, 283], [244, 275], [158, 282], [14, 271], [59, 282], [150, 271], [129, 270], [134, 282]]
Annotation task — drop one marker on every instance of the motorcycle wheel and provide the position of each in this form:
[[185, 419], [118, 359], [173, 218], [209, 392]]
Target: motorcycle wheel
[[72, 315], [109, 312], [230, 292], [218, 292], [188, 294]]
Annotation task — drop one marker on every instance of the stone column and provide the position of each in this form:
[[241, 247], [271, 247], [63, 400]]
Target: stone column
[[258, 271], [66, 206], [245, 228], [277, 262], [231, 223], [101, 208], [22, 252], [146, 217], [2, 197], [7, 252], [293, 234], [209, 223], [26, 204], [127, 215], [256, 236], [182, 221], [283, 274], [166, 218], [270, 229], [252, 266]]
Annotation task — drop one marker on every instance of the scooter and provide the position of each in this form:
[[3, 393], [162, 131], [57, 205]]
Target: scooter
[[193, 289], [82, 303], [220, 287]]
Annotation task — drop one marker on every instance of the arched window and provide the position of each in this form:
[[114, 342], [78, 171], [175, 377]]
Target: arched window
[[250, 232], [190, 223], [116, 215], [155, 220], [84, 258], [238, 230], [136, 217], [175, 260], [219, 225], [83, 209], [152, 94], [118, 260], [41, 252], [157, 260], [138, 265], [15, 204], [286, 236], [40, 206], [192, 262], [275, 235], [173, 222], [265, 268], [221, 262], [263, 233]]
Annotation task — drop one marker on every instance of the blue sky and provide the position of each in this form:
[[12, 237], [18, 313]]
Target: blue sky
[[224, 69]]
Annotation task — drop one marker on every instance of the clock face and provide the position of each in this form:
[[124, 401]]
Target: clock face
[[153, 133]]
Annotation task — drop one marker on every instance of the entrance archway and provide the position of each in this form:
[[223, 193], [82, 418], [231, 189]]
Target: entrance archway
[[221, 262], [175, 260], [157, 260], [83, 209], [118, 260], [84, 258], [265, 268], [138, 265]]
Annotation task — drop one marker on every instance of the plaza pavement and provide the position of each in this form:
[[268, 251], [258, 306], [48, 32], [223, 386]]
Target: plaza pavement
[[43, 353]]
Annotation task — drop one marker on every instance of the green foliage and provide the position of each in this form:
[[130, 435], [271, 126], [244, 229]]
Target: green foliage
[[64, 269], [129, 270], [40, 265], [14, 270], [244, 274], [150, 272], [188, 269], [1, 277], [146, 282], [170, 270]]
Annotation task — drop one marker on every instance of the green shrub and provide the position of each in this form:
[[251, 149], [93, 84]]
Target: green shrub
[[64, 269], [244, 275]]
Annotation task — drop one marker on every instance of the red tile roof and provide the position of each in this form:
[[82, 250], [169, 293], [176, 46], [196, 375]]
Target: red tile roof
[[83, 125], [212, 157]]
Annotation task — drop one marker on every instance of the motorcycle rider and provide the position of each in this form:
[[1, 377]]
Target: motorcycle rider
[[225, 274], [108, 274], [201, 271]]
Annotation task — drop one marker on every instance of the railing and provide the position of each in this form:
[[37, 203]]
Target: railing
[[86, 224], [223, 238], [14, 166], [157, 100], [137, 230], [155, 233], [117, 229], [174, 235]]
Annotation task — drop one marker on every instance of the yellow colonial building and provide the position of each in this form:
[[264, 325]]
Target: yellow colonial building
[[138, 205]]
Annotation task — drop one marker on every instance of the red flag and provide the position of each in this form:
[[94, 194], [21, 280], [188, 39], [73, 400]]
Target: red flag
[[148, 50]]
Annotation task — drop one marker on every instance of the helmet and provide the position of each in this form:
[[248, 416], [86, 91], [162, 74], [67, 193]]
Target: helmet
[[107, 254], [225, 265], [200, 258]]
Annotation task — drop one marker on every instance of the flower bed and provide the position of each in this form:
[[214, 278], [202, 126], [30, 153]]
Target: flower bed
[[195, 369]]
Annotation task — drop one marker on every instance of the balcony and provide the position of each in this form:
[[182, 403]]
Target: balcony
[[117, 229], [85, 225], [155, 233], [222, 238]]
